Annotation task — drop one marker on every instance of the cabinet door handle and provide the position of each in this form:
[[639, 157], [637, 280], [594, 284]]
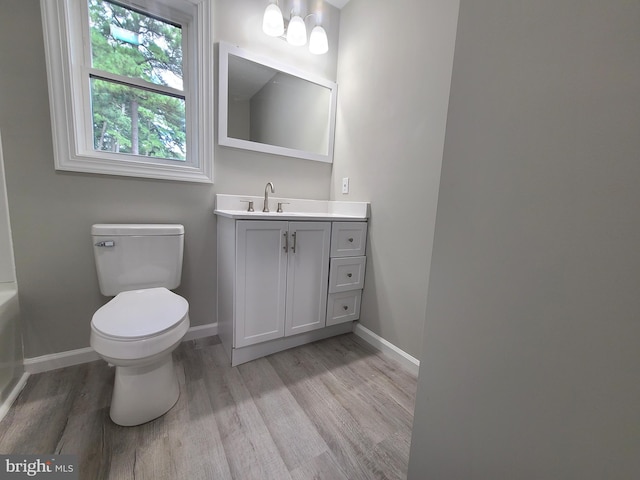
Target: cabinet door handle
[[344, 307], [286, 241], [349, 275], [350, 239], [295, 239]]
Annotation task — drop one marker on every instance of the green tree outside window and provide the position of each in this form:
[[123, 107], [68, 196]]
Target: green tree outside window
[[128, 118]]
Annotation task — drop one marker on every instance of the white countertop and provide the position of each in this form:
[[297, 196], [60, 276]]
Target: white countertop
[[235, 206]]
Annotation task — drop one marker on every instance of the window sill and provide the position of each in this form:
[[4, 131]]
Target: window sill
[[181, 173]]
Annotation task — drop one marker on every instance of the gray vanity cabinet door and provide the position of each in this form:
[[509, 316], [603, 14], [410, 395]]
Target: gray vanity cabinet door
[[307, 274], [261, 281]]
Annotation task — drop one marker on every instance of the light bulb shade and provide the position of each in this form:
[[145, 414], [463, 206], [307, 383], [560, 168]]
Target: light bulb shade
[[297, 31], [318, 43], [272, 23]]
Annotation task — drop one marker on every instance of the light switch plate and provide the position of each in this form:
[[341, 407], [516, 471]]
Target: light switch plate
[[345, 185]]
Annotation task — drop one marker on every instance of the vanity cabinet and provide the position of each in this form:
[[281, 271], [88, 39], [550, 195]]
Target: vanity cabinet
[[281, 272], [280, 285]]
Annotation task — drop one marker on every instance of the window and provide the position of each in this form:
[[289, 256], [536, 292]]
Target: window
[[129, 86]]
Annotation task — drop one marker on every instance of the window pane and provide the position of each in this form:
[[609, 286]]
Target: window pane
[[129, 43], [135, 121]]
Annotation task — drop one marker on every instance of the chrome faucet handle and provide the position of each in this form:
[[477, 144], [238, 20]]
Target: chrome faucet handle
[[265, 208], [250, 206], [280, 206]]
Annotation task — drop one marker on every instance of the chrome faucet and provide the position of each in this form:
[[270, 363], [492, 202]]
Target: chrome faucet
[[266, 196]]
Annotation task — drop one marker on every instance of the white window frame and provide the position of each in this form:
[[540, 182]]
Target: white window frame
[[66, 29]]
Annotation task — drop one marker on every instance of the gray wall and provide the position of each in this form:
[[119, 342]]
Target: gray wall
[[394, 72], [52, 212], [531, 363]]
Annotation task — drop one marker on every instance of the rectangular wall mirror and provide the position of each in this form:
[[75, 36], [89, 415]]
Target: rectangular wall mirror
[[269, 107]]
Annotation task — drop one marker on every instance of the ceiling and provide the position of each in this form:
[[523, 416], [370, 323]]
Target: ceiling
[[338, 3]]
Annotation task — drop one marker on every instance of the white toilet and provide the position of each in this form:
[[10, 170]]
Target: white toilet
[[140, 327]]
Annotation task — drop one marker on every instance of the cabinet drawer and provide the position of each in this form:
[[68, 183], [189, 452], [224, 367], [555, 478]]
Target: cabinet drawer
[[346, 274], [348, 239], [343, 307]]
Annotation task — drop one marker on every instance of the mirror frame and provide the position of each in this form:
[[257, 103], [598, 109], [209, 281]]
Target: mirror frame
[[225, 51]]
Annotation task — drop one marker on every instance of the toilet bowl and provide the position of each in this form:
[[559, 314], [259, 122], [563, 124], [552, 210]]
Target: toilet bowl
[[137, 332], [138, 329]]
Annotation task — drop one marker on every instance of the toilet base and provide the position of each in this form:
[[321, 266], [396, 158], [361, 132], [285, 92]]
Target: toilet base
[[142, 393]]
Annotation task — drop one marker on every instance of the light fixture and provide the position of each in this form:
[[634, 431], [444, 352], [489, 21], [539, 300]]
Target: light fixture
[[297, 31], [318, 43], [273, 24]]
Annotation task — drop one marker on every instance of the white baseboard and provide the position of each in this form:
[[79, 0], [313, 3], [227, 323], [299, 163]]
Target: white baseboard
[[69, 358], [390, 350], [15, 391], [201, 331]]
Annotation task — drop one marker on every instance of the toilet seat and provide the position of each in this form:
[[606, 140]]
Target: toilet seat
[[139, 325], [139, 314]]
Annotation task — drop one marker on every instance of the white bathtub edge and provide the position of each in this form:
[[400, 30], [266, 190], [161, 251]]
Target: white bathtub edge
[[15, 391]]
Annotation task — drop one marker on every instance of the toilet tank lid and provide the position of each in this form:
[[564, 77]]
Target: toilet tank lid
[[123, 229]]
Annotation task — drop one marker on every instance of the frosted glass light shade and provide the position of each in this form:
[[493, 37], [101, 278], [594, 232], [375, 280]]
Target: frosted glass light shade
[[297, 31], [272, 22], [318, 43]]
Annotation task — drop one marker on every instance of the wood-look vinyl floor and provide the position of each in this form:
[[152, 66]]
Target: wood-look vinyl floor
[[334, 410]]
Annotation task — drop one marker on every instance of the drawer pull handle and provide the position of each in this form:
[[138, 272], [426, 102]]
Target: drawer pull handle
[[350, 239], [349, 275], [344, 307]]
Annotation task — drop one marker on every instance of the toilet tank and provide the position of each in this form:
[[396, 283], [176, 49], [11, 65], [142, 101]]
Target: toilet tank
[[136, 256]]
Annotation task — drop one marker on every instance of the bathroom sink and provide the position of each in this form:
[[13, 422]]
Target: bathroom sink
[[236, 206]]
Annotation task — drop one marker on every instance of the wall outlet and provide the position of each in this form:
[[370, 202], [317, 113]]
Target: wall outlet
[[345, 185]]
